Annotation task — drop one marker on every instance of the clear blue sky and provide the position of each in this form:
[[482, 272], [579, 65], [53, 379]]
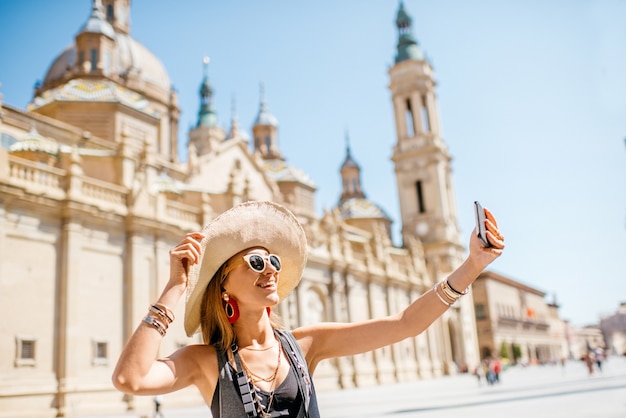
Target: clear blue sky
[[531, 94]]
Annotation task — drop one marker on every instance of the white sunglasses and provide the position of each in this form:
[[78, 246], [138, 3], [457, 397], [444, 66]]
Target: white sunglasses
[[256, 262]]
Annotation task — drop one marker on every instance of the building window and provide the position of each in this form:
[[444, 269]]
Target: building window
[[81, 59], [408, 115], [481, 313], [25, 349], [100, 352], [110, 13], [425, 115], [93, 53], [268, 144], [420, 197]]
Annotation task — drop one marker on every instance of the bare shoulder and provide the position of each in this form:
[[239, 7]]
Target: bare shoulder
[[311, 340], [203, 356], [201, 359]]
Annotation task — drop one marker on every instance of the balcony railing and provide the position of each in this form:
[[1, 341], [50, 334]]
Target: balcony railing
[[43, 180]]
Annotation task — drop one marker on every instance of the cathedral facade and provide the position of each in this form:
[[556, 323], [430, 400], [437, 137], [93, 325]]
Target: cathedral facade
[[93, 195]]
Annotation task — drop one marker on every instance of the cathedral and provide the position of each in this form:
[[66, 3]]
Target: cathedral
[[93, 195]]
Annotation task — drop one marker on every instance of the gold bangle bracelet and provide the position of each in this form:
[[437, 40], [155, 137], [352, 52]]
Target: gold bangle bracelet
[[440, 297], [445, 288], [160, 314], [168, 312]]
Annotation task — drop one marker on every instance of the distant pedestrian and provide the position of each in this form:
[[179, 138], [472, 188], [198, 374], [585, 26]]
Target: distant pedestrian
[[158, 400], [589, 360], [497, 369], [490, 374], [479, 373], [599, 357]]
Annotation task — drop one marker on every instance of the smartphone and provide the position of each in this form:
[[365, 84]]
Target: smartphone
[[480, 224]]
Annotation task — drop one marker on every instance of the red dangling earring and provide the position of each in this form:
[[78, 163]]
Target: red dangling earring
[[269, 311], [231, 308]]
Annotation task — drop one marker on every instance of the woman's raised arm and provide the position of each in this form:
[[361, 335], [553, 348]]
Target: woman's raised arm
[[328, 340], [138, 370]]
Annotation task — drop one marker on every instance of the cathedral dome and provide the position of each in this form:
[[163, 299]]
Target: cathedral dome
[[129, 56], [123, 57]]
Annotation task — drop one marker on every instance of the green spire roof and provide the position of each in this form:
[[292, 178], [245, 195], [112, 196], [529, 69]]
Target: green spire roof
[[408, 48], [206, 115]]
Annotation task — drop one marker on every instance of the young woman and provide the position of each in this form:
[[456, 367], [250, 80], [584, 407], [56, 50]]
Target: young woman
[[234, 272]]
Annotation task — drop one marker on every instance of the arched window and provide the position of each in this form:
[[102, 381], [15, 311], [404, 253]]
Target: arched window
[[93, 58], [421, 208], [110, 13], [425, 115], [268, 144], [408, 116]]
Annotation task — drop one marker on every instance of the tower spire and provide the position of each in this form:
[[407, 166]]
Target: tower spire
[[234, 122], [421, 158], [206, 115], [265, 130], [408, 48], [350, 176], [96, 22], [117, 13]]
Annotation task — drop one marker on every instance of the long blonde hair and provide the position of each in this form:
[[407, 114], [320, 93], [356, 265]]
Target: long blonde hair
[[216, 330]]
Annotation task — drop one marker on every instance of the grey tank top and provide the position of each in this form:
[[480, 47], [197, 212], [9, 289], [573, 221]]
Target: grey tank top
[[288, 400]]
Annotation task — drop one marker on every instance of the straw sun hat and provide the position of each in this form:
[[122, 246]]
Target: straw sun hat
[[251, 224]]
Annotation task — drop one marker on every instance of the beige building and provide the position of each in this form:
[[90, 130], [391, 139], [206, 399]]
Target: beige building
[[584, 340], [614, 331], [93, 195], [514, 322]]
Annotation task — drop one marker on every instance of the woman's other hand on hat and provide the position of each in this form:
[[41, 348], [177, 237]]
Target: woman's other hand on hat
[[184, 254]]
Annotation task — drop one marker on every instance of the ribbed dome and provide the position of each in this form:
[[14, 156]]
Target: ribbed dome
[[128, 56]]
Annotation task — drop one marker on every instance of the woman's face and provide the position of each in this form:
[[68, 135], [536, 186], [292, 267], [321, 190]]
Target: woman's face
[[253, 289]]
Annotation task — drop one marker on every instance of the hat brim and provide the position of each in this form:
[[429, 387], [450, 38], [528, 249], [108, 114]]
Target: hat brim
[[251, 224]]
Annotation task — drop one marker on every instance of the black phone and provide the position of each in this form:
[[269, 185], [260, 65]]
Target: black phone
[[481, 229]]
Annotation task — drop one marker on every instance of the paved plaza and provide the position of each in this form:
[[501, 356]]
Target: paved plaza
[[536, 392]]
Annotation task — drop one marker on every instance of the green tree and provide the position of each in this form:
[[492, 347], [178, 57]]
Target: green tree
[[517, 352], [504, 350]]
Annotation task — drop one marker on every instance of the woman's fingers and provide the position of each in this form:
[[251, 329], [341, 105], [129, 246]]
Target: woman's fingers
[[497, 241], [189, 248], [490, 217], [493, 232]]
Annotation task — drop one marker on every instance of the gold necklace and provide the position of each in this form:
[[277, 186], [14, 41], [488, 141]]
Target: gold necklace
[[259, 378], [258, 349], [265, 411]]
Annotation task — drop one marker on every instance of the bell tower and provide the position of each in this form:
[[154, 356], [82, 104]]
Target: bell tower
[[420, 157]]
